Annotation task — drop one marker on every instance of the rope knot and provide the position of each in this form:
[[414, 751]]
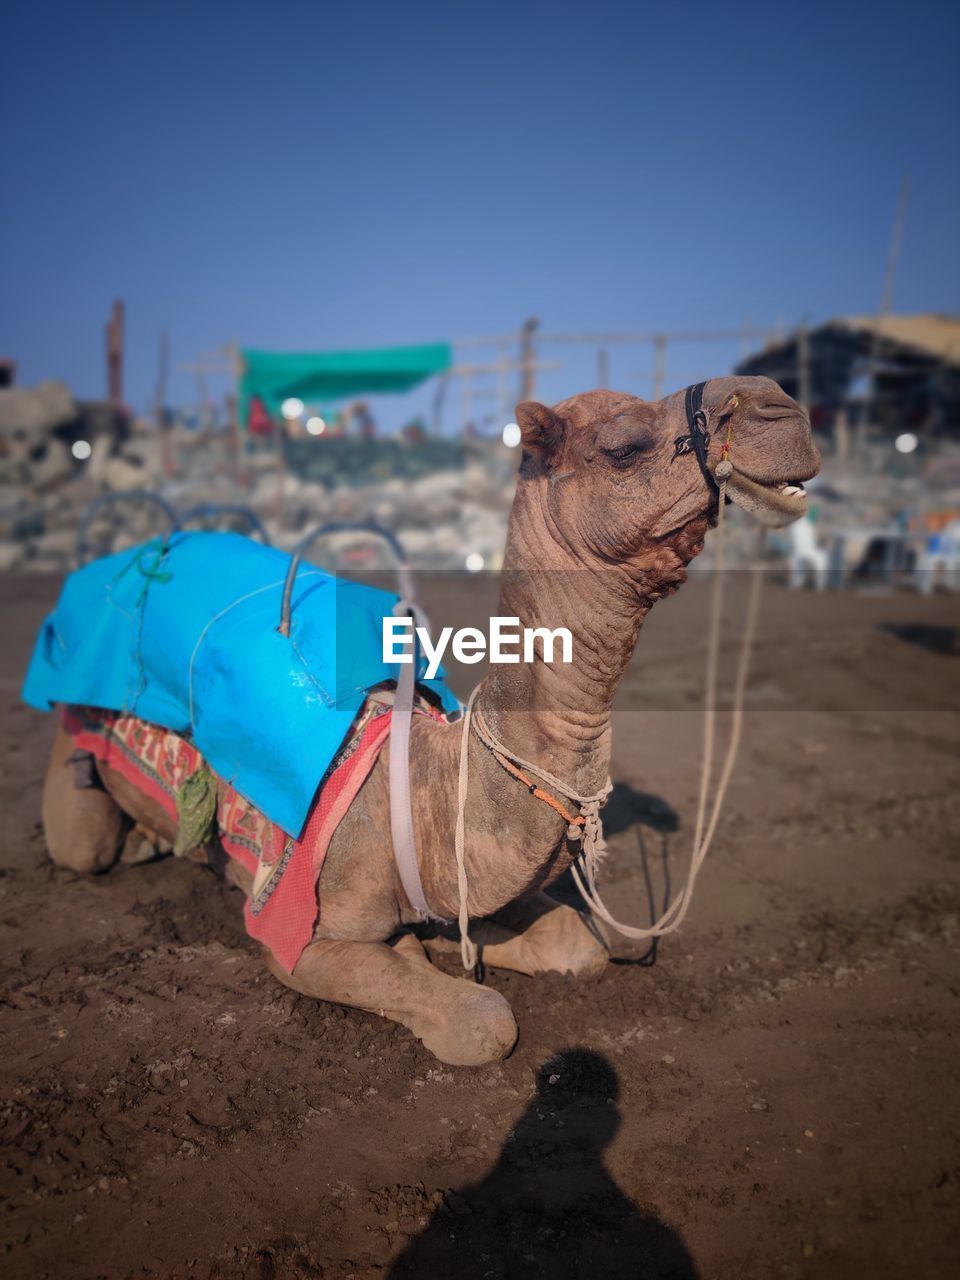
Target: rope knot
[[594, 845]]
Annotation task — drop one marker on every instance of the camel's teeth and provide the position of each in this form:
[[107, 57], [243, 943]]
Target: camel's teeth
[[793, 490]]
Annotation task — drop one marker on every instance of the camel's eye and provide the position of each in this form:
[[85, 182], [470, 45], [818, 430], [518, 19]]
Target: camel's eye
[[622, 455], [626, 440]]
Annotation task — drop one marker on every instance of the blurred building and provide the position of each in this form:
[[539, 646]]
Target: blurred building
[[872, 375]]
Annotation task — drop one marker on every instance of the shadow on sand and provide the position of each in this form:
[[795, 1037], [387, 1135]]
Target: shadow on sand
[[933, 639], [627, 807], [549, 1208]]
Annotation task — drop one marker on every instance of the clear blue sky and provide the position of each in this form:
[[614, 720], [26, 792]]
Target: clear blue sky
[[315, 175]]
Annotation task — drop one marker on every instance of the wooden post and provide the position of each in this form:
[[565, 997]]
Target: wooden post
[[603, 373], [527, 378], [159, 406], [886, 298], [466, 404], [503, 395], [114, 335], [280, 443], [886, 301], [235, 442], [439, 398], [237, 434], [163, 371]]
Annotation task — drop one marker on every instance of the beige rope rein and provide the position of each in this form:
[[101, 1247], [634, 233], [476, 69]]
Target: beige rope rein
[[590, 830]]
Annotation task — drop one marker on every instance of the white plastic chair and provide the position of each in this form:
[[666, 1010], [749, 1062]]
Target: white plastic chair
[[941, 555], [806, 555]]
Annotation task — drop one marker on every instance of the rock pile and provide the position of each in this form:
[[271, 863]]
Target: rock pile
[[45, 437], [445, 499], [442, 518]]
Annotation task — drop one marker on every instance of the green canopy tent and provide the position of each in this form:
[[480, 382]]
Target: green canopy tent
[[321, 376]]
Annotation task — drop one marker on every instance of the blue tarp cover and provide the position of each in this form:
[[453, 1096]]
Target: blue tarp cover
[[183, 633]]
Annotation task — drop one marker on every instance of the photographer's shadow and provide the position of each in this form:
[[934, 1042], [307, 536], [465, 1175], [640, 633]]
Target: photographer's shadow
[[549, 1208]]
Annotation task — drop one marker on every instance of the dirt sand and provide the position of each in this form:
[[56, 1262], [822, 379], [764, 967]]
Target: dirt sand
[[776, 1095]]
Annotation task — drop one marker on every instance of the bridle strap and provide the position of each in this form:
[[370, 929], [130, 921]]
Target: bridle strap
[[697, 439]]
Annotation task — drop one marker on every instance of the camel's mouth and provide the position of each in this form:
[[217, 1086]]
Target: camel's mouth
[[774, 504]]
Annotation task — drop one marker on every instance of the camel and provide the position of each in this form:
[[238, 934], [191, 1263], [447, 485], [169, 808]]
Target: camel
[[610, 508]]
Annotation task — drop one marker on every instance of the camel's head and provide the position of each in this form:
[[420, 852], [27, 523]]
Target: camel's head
[[617, 473]]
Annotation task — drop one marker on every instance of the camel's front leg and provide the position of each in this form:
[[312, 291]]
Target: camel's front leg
[[461, 1023], [536, 934]]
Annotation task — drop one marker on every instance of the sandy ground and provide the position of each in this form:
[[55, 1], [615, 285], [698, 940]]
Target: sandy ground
[[776, 1095]]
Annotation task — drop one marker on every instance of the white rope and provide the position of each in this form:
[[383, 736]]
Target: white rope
[[468, 948], [584, 869], [585, 875]]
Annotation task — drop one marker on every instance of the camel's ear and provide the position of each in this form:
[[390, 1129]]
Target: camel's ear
[[540, 428]]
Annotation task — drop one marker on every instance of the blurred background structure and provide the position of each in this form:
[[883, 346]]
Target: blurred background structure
[[237, 278]]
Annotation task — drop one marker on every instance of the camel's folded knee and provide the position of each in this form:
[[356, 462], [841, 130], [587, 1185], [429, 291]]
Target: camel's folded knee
[[461, 1023], [477, 1026], [83, 827], [93, 842]]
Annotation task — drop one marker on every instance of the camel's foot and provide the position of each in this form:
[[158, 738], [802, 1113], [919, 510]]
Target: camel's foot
[[143, 845], [460, 1023], [85, 828], [537, 934]]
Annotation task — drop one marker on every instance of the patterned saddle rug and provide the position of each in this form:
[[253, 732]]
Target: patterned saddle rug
[[283, 908]]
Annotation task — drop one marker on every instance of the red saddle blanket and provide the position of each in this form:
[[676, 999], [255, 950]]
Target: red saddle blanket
[[283, 908]]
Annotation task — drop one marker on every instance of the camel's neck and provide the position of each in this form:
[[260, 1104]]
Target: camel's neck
[[554, 714]]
